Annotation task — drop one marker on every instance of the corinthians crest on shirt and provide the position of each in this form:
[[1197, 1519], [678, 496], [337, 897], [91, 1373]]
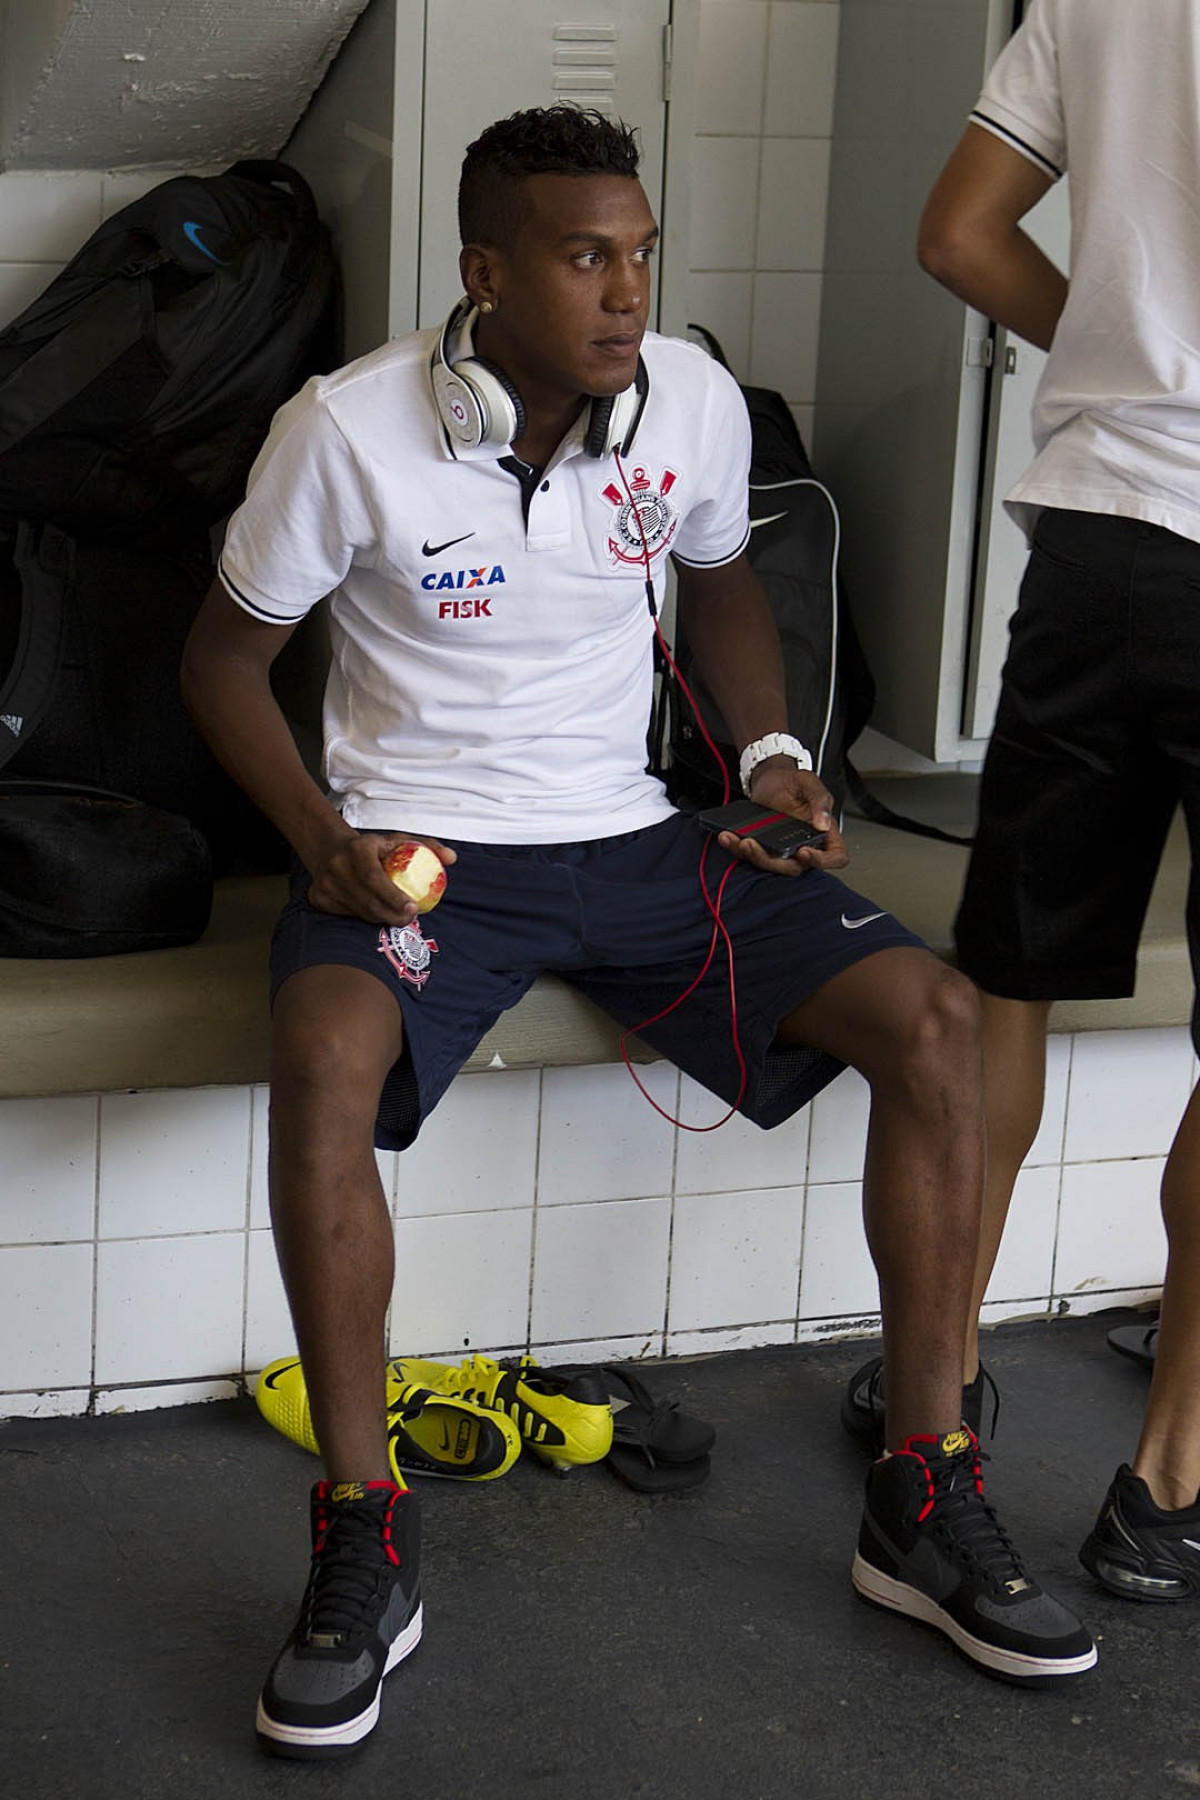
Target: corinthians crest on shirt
[[643, 521], [408, 952]]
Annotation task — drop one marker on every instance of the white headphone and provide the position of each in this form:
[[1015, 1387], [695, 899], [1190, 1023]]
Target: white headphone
[[478, 404]]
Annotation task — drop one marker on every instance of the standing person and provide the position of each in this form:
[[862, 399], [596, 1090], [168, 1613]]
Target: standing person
[[491, 506], [1097, 736]]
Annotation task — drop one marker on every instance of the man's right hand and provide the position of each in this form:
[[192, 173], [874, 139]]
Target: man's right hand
[[350, 879]]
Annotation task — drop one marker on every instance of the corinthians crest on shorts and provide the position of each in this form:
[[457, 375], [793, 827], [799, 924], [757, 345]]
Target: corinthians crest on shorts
[[658, 518], [408, 952]]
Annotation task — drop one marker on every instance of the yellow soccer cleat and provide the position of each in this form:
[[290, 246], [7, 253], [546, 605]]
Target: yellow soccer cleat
[[428, 1433], [283, 1402], [566, 1419], [441, 1434]]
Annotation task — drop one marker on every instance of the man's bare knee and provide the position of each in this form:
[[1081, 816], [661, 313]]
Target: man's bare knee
[[952, 1015], [333, 1043], [939, 1036]]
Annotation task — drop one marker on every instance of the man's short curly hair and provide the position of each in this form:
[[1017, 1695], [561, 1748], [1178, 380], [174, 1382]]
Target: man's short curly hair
[[544, 140]]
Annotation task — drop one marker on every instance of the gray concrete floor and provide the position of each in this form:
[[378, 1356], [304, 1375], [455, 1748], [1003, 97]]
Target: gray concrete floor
[[581, 1640]]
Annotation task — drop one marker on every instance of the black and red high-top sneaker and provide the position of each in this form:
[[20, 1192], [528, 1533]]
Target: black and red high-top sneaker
[[931, 1546], [864, 1410], [361, 1615]]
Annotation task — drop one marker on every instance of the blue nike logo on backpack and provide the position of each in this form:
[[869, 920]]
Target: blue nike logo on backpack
[[191, 232]]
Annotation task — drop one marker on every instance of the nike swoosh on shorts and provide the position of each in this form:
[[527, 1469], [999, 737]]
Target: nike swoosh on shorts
[[857, 924]]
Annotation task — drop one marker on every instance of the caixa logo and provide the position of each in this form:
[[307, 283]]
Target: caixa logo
[[479, 606], [464, 578]]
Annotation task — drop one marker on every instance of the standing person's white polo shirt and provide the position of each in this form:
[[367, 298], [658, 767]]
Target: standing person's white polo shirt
[[1087, 85], [492, 675]]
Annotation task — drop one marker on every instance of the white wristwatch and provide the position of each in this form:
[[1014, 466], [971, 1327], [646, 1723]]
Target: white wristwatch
[[776, 743]]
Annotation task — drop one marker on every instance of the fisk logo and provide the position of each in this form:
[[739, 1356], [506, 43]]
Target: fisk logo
[[479, 606]]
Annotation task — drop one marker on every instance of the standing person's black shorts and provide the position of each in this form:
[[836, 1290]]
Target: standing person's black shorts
[[623, 920], [1096, 741]]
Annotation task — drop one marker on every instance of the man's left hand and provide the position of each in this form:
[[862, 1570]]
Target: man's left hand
[[780, 786]]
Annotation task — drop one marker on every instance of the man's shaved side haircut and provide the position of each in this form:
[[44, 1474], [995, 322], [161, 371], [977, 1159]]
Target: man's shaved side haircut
[[544, 140]]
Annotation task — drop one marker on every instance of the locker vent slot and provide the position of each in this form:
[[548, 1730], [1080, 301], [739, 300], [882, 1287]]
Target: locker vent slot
[[585, 65]]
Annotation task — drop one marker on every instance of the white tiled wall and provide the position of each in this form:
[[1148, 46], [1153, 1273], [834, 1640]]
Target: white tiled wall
[[760, 179], [44, 218], [556, 1210]]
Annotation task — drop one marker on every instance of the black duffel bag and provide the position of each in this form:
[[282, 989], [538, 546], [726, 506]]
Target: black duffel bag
[[84, 872]]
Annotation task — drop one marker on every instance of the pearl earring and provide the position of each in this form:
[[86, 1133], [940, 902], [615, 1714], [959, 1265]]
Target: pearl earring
[[485, 306]]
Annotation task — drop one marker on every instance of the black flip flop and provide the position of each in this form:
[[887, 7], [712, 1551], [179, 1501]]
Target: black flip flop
[[1140, 1342], [636, 1469], [656, 1449]]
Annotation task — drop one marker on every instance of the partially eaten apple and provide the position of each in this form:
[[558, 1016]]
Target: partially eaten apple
[[417, 872]]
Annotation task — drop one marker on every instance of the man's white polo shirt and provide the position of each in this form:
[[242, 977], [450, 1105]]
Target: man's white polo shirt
[[491, 679]]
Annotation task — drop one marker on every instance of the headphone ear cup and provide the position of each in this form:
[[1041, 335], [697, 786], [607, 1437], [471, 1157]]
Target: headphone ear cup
[[596, 437], [501, 403], [613, 419], [459, 406]]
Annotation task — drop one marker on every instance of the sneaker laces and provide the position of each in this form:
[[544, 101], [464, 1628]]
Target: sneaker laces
[[527, 1369], [965, 1521], [985, 1376], [352, 1547], [475, 1375]]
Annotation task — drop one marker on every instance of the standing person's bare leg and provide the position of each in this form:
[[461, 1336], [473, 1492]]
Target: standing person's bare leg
[[1145, 1544], [1014, 1085], [1168, 1455]]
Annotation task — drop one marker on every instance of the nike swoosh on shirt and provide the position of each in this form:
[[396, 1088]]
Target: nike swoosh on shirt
[[769, 520], [1191, 1543], [857, 924], [428, 549]]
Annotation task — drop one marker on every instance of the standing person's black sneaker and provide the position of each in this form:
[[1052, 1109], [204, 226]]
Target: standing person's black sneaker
[[931, 1547], [1139, 1550], [863, 1412], [361, 1615]]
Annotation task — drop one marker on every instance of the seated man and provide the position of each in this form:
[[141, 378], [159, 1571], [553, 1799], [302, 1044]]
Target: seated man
[[491, 507]]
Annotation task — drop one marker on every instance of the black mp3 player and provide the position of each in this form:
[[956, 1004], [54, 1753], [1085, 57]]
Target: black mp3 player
[[778, 833]]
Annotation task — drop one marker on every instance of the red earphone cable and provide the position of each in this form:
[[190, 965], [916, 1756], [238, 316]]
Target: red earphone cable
[[714, 906]]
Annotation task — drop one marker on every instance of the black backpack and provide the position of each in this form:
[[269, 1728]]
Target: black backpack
[[134, 395], [793, 548], [136, 390], [795, 535]]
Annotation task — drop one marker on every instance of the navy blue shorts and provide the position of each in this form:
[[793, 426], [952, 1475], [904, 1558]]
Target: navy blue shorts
[[624, 921]]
